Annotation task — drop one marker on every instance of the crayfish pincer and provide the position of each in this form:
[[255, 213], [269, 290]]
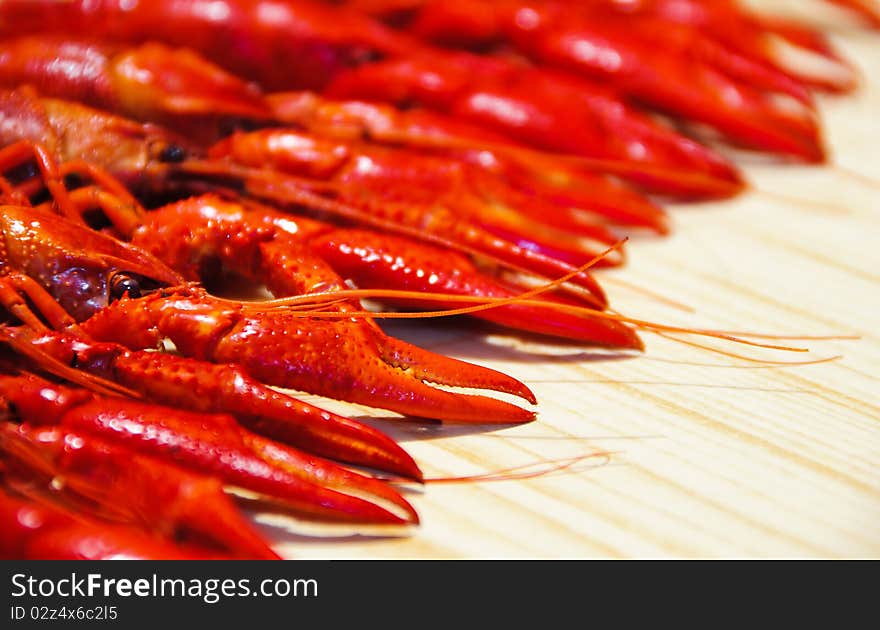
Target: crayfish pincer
[[343, 358], [338, 358], [212, 444]]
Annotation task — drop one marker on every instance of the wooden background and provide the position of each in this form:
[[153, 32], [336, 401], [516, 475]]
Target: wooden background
[[710, 456]]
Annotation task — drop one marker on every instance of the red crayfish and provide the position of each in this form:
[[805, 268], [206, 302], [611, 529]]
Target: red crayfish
[[428, 155]]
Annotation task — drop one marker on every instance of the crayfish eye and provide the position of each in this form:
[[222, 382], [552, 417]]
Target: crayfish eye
[[121, 285], [362, 56], [172, 153]]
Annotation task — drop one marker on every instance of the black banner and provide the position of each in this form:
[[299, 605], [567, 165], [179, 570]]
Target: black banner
[[251, 595], [138, 593]]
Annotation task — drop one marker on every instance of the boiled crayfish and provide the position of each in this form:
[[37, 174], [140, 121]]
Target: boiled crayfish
[[429, 154], [349, 55], [66, 287]]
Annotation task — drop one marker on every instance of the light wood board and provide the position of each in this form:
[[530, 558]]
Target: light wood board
[[710, 456]]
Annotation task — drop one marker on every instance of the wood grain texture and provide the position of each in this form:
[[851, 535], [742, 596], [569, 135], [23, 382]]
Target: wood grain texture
[[710, 456]]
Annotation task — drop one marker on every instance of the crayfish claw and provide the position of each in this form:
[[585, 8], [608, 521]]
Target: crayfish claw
[[375, 261], [334, 477], [210, 444], [351, 361], [429, 366]]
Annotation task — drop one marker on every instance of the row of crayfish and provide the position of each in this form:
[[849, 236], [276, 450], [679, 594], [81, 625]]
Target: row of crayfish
[[497, 144]]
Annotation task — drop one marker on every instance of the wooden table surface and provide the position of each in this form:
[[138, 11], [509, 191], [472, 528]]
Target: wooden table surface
[[708, 456]]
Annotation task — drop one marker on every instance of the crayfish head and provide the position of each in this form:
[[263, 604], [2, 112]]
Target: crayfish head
[[81, 269]]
